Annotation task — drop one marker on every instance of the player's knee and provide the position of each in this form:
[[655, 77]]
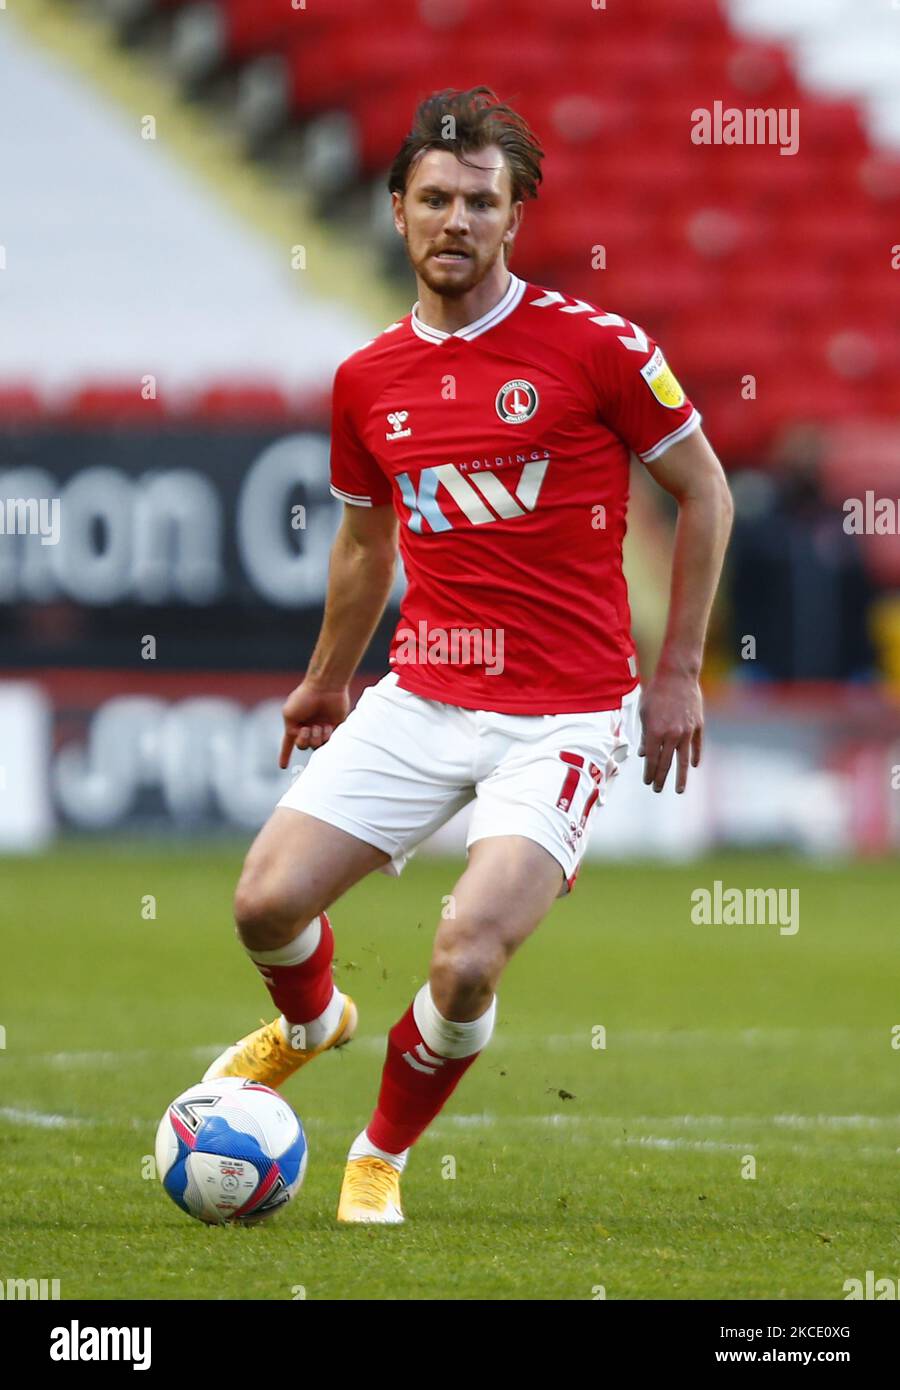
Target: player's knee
[[264, 917], [464, 972]]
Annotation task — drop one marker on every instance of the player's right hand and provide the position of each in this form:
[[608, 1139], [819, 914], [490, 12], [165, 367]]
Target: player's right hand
[[311, 716]]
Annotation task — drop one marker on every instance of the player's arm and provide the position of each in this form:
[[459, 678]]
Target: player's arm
[[672, 705], [360, 575]]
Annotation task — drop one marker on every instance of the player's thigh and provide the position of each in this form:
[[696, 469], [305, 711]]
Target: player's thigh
[[297, 866], [395, 771], [508, 887]]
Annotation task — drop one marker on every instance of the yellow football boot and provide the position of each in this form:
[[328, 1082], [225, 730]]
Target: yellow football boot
[[370, 1192], [266, 1057]]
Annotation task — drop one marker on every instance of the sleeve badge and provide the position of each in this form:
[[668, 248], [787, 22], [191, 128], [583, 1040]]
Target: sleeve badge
[[662, 381]]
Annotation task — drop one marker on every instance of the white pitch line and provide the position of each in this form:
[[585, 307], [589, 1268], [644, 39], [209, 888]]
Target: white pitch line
[[745, 1121], [634, 1121], [553, 1042], [651, 1141], [583, 1123], [38, 1120], [108, 1059], [835, 1121]]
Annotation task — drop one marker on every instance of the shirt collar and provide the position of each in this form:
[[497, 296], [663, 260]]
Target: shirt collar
[[501, 310]]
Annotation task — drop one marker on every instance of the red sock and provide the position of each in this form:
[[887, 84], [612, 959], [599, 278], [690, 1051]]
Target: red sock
[[302, 992], [415, 1084]]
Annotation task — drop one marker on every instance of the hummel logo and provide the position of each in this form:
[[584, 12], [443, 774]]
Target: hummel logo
[[398, 419], [426, 1056]]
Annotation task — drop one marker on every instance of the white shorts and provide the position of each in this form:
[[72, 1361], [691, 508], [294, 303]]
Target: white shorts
[[400, 766]]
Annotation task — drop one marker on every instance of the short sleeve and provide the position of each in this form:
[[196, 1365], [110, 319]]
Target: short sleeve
[[638, 395], [355, 474]]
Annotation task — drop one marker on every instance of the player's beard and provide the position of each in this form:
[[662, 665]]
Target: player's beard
[[454, 284]]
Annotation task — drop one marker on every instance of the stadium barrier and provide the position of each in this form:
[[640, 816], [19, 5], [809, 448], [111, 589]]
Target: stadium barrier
[[175, 753]]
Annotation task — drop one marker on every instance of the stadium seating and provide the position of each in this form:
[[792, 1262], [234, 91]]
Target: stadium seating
[[742, 260], [20, 403], [113, 403], [791, 250]]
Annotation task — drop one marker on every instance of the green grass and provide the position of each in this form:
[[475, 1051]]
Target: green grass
[[721, 1042]]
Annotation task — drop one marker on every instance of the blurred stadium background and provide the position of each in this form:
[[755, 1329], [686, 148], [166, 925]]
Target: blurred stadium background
[[195, 230]]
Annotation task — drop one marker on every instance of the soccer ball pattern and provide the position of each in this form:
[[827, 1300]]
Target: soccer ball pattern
[[230, 1150]]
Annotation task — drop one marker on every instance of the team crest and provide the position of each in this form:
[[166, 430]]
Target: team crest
[[516, 402], [662, 381]]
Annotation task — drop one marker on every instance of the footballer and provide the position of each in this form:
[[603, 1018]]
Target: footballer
[[488, 435]]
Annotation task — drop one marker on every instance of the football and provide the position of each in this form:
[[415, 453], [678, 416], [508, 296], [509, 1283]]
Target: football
[[230, 1150]]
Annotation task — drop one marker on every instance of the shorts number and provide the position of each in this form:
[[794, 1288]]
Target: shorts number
[[570, 783]]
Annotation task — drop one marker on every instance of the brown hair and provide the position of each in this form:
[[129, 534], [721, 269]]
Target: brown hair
[[479, 119]]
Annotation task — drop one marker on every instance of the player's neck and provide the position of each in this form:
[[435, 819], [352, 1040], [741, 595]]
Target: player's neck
[[447, 315]]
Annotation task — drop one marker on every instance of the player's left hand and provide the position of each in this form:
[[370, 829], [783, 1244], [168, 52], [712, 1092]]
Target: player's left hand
[[672, 725]]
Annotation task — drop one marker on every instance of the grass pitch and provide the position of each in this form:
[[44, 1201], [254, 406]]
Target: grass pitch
[[642, 1066]]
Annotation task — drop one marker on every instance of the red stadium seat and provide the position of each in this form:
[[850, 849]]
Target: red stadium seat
[[707, 344], [758, 177], [878, 442], [762, 73], [252, 27], [573, 235], [840, 230], [313, 406], [20, 403], [659, 288], [248, 402], [832, 126], [778, 285], [746, 259], [331, 71], [576, 117], [871, 287], [634, 19], [717, 233], [813, 397], [678, 16], [738, 429], [115, 402], [878, 175]]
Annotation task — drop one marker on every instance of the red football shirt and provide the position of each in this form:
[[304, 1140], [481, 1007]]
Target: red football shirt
[[504, 448]]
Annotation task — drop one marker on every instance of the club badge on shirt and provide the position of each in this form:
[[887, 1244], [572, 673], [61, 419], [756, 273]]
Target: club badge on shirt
[[516, 402]]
